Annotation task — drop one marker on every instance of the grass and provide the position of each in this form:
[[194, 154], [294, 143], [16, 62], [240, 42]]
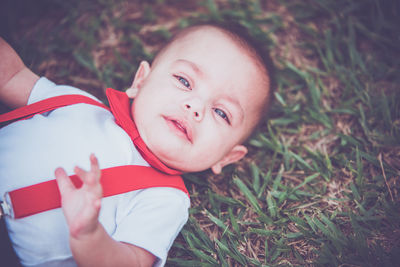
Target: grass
[[320, 186]]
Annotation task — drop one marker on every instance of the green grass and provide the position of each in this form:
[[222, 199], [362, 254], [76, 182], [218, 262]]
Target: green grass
[[320, 186]]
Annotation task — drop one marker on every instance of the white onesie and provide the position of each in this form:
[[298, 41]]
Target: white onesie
[[30, 151]]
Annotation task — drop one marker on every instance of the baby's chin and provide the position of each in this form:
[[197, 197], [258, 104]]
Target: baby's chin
[[176, 163], [185, 169], [170, 155], [173, 164]]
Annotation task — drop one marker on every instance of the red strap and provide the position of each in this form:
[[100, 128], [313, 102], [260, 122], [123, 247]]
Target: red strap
[[46, 196], [48, 104]]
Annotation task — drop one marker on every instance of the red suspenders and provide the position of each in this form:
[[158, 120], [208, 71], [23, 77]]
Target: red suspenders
[[45, 196], [48, 104]]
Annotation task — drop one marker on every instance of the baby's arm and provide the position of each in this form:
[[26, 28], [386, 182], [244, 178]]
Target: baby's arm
[[16, 80], [90, 243]]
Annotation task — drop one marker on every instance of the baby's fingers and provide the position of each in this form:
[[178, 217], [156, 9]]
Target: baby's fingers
[[94, 167], [91, 177], [64, 183]]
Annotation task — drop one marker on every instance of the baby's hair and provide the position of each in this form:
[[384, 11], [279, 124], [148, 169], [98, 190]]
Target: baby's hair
[[239, 34]]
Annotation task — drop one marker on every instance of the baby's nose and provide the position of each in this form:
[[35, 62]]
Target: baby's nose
[[195, 108]]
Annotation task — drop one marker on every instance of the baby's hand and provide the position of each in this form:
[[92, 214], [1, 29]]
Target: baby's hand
[[81, 206]]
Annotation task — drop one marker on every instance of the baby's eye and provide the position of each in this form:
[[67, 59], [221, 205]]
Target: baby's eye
[[183, 81], [222, 114]]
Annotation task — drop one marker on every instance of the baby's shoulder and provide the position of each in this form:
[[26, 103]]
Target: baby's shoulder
[[164, 196], [157, 198], [44, 88]]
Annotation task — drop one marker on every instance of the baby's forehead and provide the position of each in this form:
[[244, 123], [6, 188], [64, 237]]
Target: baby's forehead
[[209, 35], [207, 46], [204, 38], [201, 37]]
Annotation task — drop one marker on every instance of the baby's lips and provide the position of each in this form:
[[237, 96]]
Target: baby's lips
[[187, 128], [183, 125]]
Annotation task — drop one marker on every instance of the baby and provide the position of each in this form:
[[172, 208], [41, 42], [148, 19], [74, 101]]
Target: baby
[[193, 108]]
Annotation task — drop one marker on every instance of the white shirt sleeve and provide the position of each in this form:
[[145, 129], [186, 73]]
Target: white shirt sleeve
[[152, 220], [45, 88]]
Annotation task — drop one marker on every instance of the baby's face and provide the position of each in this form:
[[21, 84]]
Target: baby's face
[[198, 101]]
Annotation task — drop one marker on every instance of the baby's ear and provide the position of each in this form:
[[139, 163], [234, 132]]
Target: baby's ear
[[140, 76], [131, 92], [237, 152]]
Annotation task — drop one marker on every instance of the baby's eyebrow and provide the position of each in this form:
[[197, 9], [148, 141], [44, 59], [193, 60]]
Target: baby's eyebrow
[[191, 65], [237, 108]]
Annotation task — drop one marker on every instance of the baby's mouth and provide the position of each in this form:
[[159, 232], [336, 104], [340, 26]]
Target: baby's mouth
[[180, 126]]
